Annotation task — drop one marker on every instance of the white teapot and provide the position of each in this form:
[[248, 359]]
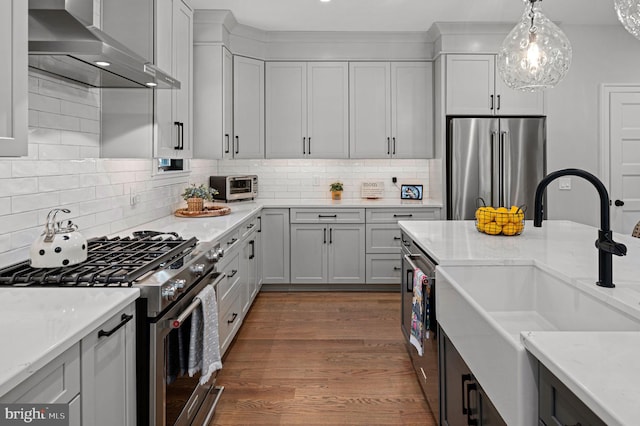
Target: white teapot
[[59, 245]]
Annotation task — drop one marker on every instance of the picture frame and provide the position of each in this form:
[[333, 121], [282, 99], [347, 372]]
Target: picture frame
[[411, 192]]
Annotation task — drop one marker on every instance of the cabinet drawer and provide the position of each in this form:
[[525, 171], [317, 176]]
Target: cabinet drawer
[[230, 319], [57, 382], [248, 227], [327, 215], [230, 241], [383, 269], [383, 238], [231, 269], [392, 215]]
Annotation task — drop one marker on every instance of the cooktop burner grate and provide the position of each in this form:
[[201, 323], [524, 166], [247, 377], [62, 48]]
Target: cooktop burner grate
[[110, 262]]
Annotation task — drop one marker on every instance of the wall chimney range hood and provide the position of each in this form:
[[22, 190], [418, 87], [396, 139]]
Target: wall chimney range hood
[[64, 42]]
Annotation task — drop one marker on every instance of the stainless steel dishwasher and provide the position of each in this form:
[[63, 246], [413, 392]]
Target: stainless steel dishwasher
[[426, 366]]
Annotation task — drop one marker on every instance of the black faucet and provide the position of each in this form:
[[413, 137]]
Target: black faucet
[[605, 244]]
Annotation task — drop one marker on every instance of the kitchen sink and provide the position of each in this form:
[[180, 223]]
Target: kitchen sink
[[483, 310]]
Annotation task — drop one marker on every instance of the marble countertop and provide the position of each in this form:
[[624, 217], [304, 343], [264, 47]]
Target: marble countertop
[[347, 202], [42, 323], [564, 249], [600, 368]]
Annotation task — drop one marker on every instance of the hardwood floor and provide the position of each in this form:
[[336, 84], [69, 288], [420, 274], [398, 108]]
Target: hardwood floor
[[321, 358]]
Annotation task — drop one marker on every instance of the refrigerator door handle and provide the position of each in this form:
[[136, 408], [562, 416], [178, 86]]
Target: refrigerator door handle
[[505, 141], [495, 170]]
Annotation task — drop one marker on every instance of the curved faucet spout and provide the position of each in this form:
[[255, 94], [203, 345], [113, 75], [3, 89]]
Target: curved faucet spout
[[602, 192], [605, 244]]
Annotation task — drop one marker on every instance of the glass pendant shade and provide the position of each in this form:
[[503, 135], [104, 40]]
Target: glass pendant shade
[[536, 55], [629, 15]]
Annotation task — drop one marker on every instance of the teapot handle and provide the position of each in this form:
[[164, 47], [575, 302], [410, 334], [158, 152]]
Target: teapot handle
[[50, 227]]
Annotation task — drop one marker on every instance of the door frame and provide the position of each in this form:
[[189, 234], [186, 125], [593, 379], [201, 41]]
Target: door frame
[[606, 89]]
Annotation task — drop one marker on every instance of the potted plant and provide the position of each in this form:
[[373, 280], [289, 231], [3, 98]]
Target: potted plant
[[195, 196], [336, 190]]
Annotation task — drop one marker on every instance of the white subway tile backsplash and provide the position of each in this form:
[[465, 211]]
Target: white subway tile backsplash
[[58, 152], [9, 187], [13, 222], [25, 203], [89, 152], [80, 139], [79, 110], [77, 195], [45, 136], [44, 103], [58, 121], [24, 237], [89, 126], [58, 183], [74, 93]]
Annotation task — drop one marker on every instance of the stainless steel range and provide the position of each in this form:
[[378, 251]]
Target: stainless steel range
[[169, 271]]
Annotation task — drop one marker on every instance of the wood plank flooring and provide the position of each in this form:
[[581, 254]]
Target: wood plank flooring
[[321, 358]]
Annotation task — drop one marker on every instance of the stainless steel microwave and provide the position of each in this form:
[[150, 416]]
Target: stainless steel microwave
[[234, 188]]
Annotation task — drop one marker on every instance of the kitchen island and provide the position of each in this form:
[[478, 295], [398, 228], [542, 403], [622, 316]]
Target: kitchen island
[[562, 251]]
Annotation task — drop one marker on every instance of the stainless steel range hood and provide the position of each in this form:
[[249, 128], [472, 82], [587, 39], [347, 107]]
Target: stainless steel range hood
[[64, 42]]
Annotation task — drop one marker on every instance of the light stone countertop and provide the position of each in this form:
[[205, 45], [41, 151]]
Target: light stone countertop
[[599, 367], [42, 323]]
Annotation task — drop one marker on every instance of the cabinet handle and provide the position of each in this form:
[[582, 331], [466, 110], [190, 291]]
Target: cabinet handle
[[498, 108], [123, 320], [181, 136], [403, 215], [309, 145], [237, 144], [304, 145], [491, 106], [327, 215], [330, 235], [465, 378], [233, 273], [177, 124], [388, 146], [409, 280], [251, 225], [233, 318], [325, 236], [472, 387], [232, 242], [252, 243], [397, 238], [259, 224], [396, 268], [394, 145], [226, 136]]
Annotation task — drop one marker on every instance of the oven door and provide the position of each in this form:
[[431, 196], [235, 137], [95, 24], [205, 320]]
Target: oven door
[[176, 398], [425, 366]]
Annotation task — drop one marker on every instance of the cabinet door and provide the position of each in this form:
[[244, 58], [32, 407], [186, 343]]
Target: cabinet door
[[370, 115], [457, 378], [412, 109], [13, 78], [248, 108], [346, 252], [275, 246], [166, 131], [515, 102], [383, 268], [183, 70], [383, 238], [309, 253], [247, 273], [227, 103], [286, 109], [328, 110], [259, 254], [470, 84], [108, 373]]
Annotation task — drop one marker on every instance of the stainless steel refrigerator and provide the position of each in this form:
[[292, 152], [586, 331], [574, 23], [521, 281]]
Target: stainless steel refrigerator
[[500, 160]]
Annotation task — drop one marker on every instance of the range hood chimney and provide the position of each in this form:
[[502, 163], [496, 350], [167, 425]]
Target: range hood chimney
[[63, 41]]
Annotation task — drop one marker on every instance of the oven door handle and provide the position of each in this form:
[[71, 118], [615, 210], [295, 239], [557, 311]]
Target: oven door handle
[[177, 322], [408, 258]]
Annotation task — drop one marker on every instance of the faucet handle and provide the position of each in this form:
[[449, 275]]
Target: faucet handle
[[606, 244]]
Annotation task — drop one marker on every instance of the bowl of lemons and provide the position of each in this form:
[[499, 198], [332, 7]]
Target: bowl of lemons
[[500, 220]]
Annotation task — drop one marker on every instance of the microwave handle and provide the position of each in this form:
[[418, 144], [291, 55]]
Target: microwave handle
[[177, 322]]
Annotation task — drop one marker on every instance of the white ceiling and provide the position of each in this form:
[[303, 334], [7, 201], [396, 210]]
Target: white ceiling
[[399, 15]]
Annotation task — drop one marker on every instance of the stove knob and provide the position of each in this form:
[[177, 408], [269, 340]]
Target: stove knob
[[169, 291], [197, 268], [212, 256], [178, 283], [220, 252]]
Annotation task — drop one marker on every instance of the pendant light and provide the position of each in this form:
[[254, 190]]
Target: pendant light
[[536, 55], [629, 15]]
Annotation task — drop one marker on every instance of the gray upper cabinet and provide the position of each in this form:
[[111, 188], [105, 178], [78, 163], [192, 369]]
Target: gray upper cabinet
[[391, 109], [174, 52], [473, 87], [213, 101], [307, 112], [248, 108], [13, 78]]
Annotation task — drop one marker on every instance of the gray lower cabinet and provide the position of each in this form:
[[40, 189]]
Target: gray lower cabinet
[[464, 402], [96, 376], [322, 253], [109, 372], [557, 405], [274, 227]]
